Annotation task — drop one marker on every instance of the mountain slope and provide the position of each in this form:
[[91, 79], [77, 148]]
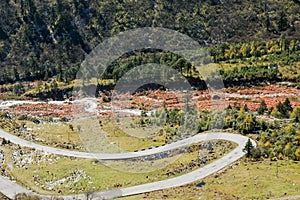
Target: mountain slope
[[41, 39]]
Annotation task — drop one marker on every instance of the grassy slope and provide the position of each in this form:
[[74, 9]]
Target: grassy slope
[[242, 180], [40, 36], [99, 176]]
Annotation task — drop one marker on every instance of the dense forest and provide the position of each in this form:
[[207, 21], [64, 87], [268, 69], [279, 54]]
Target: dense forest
[[43, 39]]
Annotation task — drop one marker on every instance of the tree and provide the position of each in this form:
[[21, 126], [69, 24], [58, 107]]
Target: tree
[[71, 127], [283, 109], [282, 22], [213, 53], [54, 87], [262, 107], [275, 113], [297, 154], [292, 46], [179, 64], [16, 74], [290, 130], [18, 89], [39, 86], [248, 148], [241, 114], [287, 105], [295, 114], [268, 22], [249, 124], [254, 52], [246, 108], [282, 42], [245, 50]]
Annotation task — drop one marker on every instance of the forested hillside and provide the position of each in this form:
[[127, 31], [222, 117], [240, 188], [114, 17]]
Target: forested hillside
[[42, 39]]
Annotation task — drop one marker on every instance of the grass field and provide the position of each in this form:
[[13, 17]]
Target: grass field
[[56, 133], [241, 180], [91, 137], [128, 142], [70, 175], [60, 135]]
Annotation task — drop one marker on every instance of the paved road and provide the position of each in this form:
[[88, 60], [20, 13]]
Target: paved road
[[126, 155], [13, 188], [10, 188], [288, 197]]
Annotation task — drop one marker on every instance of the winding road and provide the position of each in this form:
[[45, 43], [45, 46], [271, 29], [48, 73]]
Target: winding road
[[10, 188]]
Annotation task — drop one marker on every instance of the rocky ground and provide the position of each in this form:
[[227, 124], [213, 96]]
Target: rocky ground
[[24, 158], [148, 100]]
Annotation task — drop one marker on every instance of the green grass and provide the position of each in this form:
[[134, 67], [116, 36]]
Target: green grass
[[108, 137], [133, 126], [126, 139], [101, 175], [54, 134], [242, 180], [51, 131]]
